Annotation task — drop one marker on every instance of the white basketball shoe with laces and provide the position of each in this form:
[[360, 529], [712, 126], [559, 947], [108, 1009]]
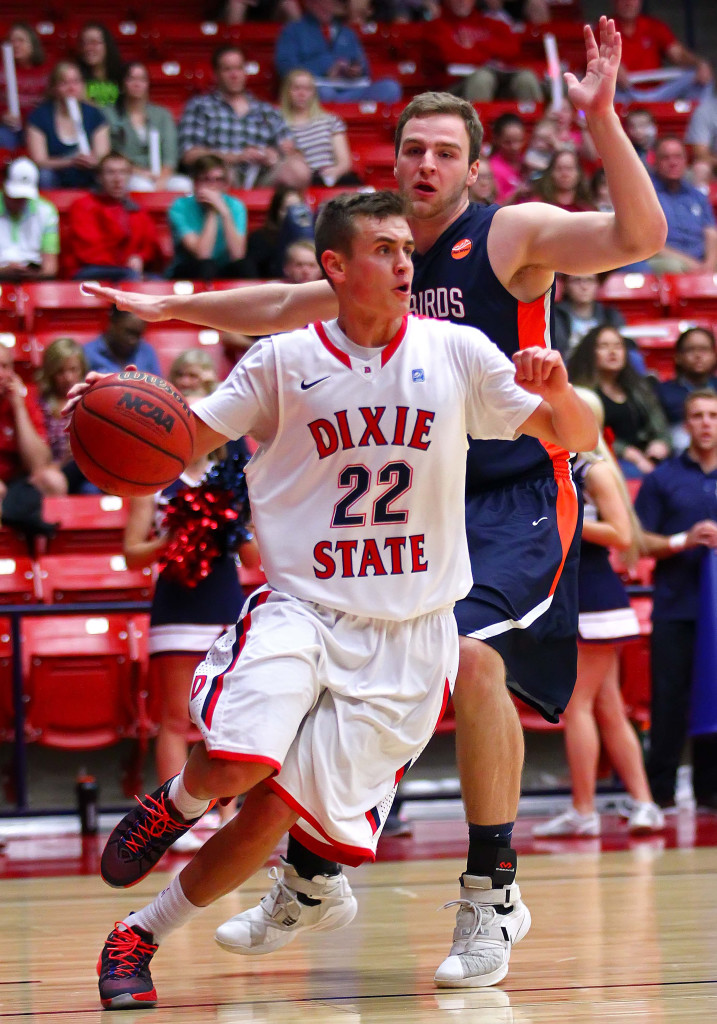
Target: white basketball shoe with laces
[[488, 922], [280, 915]]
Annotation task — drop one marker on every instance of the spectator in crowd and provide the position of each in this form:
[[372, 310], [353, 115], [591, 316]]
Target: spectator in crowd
[[323, 44], [465, 36], [648, 45], [641, 130], [29, 226], [31, 75], [571, 132], [563, 183], [484, 189], [67, 153], [250, 136], [209, 227], [319, 135], [691, 231], [121, 343], [632, 414], [677, 506], [237, 12], [405, 11], [695, 364], [300, 263], [107, 235], [579, 311], [133, 120], [600, 192], [541, 146], [63, 365], [701, 132], [595, 715], [288, 218], [188, 614], [100, 63], [506, 159], [24, 450]]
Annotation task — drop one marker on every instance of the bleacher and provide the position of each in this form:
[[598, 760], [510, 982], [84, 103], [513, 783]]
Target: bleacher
[[100, 658]]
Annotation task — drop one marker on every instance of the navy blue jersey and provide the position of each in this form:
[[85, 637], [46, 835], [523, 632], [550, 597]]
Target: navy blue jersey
[[455, 281]]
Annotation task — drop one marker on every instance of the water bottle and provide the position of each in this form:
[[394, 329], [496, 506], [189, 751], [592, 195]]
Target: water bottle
[[87, 793]]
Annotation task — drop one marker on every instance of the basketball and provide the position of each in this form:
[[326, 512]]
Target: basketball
[[132, 433]]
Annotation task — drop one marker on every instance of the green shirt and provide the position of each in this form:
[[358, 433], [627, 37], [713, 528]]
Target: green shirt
[[127, 141], [25, 239]]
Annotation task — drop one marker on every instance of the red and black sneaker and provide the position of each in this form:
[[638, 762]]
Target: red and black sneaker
[[141, 838], [125, 982]]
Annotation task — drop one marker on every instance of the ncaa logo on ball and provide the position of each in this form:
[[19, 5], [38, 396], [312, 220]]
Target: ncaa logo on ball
[[461, 249], [147, 409]]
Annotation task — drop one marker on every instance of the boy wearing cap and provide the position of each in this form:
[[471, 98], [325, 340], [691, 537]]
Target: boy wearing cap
[[29, 226]]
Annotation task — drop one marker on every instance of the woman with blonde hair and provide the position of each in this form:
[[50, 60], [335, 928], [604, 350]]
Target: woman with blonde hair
[[319, 135], [595, 713], [66, 137]]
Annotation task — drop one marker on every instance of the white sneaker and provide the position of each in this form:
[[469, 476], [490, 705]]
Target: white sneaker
[[645, 818], [483, 936], [280, 916], [188, 843], [570, 823]]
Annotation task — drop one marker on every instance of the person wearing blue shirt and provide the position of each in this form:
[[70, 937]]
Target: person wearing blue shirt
[[691, 245], [677, 506], [322, 44], [121, 344], [695, 364], [208, 227]]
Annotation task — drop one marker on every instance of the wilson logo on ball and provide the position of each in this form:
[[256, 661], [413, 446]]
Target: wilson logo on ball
[[150, 411], [461, 249]]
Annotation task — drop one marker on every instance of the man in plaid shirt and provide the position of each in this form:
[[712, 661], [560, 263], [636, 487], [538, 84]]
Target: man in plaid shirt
[[251, 137]]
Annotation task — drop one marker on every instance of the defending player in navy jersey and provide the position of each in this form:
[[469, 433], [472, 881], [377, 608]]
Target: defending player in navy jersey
[[493, 268], [334, 678]]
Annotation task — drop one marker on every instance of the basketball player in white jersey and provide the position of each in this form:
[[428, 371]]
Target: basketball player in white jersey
[[339, 670]]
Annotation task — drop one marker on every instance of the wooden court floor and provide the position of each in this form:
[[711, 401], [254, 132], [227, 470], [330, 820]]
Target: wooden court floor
[[626, 936]]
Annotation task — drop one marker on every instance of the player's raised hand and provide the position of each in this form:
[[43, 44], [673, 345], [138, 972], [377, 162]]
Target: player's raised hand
[[148, 307], [596, 92], [541, 371]]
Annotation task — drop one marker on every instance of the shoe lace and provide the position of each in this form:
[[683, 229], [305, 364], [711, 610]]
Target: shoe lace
[[153, 825], [282, 899], [129, 952], [482, 916]]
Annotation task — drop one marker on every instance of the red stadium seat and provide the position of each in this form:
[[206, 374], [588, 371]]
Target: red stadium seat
[[693, 295], [637, 296], [55, 303], [24, 356], [19, 580], [12, 308], [168, 343], [97, 577], [374, 163], [7, 710], [89, 524], [80, 681]]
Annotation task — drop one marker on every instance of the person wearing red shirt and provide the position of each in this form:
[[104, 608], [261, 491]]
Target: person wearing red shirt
[[32, 77], [462, 35], [649, 44], [107, 235]]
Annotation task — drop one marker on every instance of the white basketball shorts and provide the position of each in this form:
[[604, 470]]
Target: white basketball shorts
[[339, 705]]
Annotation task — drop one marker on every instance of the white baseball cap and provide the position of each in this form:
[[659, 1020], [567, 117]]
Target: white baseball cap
[[21, 179]]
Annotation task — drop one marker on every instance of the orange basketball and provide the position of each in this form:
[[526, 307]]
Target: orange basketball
[[132, 433]]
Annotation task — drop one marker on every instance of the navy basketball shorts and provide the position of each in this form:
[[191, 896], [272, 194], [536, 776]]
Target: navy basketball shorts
[[524, 543]]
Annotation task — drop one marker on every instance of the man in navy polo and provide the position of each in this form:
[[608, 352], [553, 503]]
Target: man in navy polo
[[677, 506], [691, 245]]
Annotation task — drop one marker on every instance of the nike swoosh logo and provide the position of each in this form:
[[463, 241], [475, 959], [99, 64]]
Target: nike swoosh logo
[[536, 521], [305, 385]]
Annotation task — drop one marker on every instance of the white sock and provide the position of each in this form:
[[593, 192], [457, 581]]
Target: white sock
[[188, 806], [168, 911]]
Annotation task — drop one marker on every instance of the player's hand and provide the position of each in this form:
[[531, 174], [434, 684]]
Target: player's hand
[[541, 371], [703, 533], [78, 390], [596, 93], [147, 307]]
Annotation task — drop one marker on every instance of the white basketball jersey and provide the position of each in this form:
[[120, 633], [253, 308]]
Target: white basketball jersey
[[357, 488]]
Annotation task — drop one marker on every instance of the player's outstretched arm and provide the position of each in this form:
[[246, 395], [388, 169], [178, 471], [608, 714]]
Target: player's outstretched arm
[[574, 243], [562, 418], [256, 309]]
